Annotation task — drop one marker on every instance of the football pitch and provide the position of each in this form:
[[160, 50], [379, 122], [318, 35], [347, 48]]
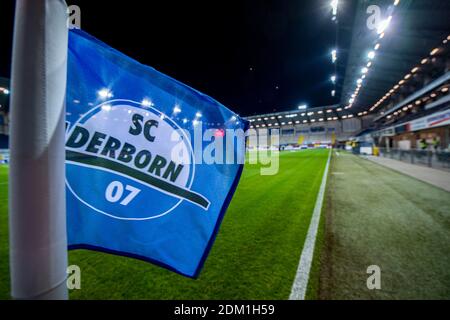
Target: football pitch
[[371, 216], [255, 255]]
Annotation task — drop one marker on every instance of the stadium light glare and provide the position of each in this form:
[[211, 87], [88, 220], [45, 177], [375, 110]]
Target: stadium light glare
[[359, 81], [302, 107], [414, 70], [424, 61], [334, 6], [104, 93], [176, 109], [383, 25], [146, 103], [434, 51], [106, 107], [333, 55], [371, 55], [364, 70], [333, 93], [6, 91], [396, 2], [377, 46], [333, 78]]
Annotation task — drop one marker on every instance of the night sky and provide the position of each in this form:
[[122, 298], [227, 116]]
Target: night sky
[[253, 56]]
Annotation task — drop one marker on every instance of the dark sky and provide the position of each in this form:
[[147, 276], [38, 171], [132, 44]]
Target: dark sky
[[238, 52]]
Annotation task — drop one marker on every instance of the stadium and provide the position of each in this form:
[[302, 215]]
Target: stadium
[[359, 206]]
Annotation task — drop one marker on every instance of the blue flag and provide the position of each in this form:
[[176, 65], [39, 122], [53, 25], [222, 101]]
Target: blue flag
[[151, 164]]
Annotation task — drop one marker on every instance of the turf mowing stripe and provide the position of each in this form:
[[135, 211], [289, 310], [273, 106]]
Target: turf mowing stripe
[[300, 284]]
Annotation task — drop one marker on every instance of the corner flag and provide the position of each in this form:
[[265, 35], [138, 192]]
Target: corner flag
[[136, 181]]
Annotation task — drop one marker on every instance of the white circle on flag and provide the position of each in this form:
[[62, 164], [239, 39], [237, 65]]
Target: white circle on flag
[[115, 193]]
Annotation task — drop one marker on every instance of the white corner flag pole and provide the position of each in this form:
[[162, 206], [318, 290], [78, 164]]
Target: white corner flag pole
[[37, 216]]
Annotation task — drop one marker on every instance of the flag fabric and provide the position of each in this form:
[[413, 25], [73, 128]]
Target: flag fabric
[[136, 181]]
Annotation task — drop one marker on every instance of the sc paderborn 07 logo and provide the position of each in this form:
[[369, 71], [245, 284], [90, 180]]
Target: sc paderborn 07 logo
[[120, 163]]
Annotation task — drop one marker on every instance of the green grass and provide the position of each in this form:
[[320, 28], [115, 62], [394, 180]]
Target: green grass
[[376, 216], [255, 255], [4, 267], [312, 292]]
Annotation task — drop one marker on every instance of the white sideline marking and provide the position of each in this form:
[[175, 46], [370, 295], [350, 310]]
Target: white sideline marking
[[300, 284]]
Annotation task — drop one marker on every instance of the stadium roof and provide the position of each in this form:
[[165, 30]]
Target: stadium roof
[[416, 27], [303, 115]]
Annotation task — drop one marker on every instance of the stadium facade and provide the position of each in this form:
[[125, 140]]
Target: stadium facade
[[392, 98], [314, 126], [4, 119]]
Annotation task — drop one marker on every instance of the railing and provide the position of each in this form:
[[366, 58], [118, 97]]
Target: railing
[[432, 159]]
